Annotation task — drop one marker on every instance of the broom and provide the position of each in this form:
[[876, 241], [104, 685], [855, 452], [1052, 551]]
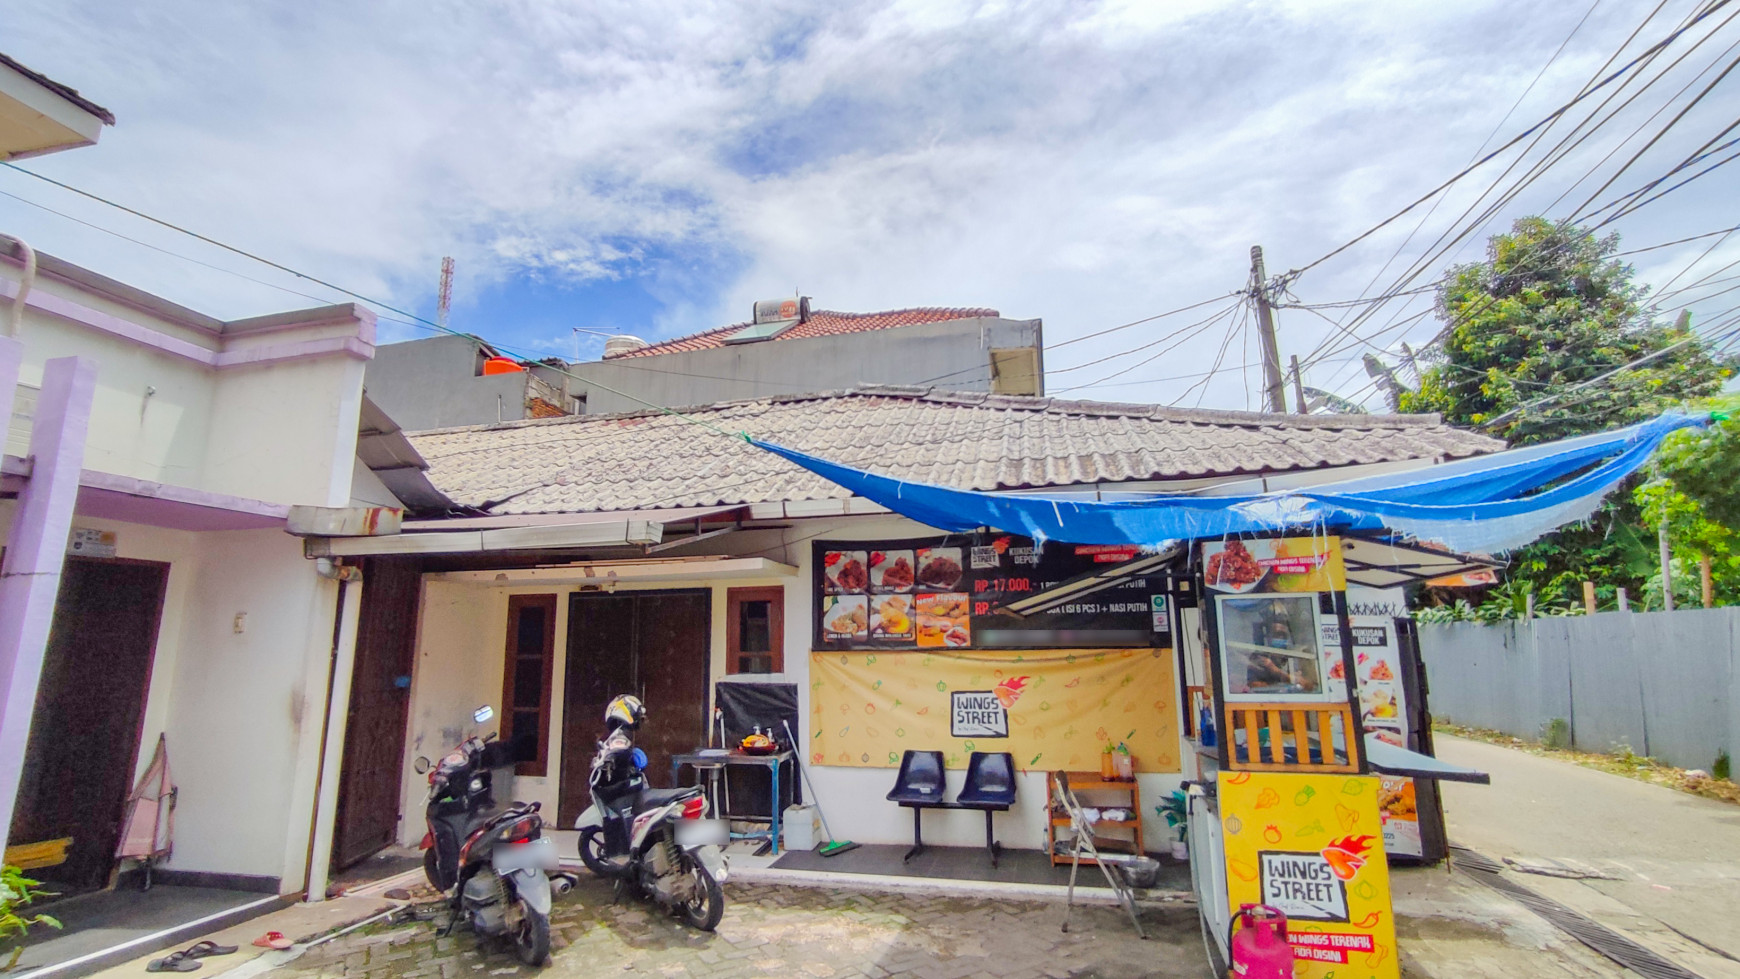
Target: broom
[[833, 847]]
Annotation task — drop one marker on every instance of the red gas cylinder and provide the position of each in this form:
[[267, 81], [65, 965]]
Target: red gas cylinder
[[1260, 949]]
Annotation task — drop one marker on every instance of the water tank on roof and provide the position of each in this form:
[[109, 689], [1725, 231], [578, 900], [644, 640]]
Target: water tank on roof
[[780, 310], [618, 345]]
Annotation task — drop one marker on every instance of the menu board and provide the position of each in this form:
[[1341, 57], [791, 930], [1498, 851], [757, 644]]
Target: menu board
[[950, 593]]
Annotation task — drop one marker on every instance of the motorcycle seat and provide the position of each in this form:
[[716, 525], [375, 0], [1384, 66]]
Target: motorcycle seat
[[654, 798]]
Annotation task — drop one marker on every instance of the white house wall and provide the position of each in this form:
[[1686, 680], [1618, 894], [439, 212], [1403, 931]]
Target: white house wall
[[242, 711], [460, 660]]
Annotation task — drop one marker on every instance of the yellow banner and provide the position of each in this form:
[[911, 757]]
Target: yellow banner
[[1051, 709], [1274, 564], [1312, 845]]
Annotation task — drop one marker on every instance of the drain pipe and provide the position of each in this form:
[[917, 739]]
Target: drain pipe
[[15, 316], [346, 612]]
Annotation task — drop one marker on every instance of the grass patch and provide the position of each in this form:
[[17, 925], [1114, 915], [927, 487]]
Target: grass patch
[[1621, 762]]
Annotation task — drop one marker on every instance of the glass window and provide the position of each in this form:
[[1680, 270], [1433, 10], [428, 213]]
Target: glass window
[[530, 658], [754, 624], [1269, 647]]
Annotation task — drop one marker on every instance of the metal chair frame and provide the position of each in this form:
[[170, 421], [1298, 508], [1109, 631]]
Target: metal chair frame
[[1084, 843]]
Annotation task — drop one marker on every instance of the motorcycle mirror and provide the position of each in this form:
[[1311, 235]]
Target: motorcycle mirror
[[421, 765], [483, 714]]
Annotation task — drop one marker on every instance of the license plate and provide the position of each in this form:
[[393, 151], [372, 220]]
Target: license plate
[[703, 832]]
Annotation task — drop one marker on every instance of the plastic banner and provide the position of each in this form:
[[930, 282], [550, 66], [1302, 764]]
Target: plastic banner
[[1311, 845], [1051, 709]]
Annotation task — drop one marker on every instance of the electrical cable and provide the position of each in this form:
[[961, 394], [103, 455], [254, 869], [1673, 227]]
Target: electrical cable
[[1556, 114]]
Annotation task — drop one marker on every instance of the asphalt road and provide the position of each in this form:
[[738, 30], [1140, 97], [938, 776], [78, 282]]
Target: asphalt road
[[1672, 859]]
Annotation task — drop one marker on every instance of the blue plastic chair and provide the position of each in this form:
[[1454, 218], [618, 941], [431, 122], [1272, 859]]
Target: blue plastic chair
[[919, 786], [990, 787]]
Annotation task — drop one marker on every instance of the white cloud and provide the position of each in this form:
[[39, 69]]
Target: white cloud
[[1084, 163]]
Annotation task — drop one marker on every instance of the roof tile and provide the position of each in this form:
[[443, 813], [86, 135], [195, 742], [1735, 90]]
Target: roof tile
[[657, 459], [821, 323]]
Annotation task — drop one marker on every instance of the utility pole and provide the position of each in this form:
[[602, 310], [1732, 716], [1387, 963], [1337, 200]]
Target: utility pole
[[1299, 389], [1274, 386]]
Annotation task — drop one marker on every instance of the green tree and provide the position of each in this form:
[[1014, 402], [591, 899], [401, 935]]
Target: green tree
[[1550, 309]]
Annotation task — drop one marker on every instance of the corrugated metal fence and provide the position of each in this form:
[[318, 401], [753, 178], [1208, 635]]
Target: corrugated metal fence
[[1665, 683]]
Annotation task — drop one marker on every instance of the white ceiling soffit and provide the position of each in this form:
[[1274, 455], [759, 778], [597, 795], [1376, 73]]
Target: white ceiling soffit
[[621, 528], [613, 573]]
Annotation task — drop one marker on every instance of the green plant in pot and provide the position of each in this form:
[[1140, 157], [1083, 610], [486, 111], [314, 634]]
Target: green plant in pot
[[1175, 808], [16, 893]]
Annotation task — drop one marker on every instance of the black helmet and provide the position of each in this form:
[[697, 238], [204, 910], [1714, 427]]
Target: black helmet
[[625, 710]]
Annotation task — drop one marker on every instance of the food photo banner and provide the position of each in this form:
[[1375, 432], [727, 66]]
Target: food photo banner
[[948, 593], [1050, 709]]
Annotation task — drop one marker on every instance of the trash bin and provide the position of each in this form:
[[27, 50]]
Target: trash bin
[[800, 827]]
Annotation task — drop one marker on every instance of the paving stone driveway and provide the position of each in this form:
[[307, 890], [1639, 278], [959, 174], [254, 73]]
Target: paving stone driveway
[[795, 931]]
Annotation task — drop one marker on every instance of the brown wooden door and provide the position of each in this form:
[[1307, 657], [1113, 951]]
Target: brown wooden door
[[651, 644], [373, 770], [84, 731]]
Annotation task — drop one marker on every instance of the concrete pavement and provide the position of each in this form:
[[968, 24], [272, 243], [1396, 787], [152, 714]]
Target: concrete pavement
[[1673, 859]]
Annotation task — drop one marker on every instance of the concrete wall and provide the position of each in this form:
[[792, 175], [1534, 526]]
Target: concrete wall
[[242, 711], [953, 355], [1667, 684], [433, 383], [459, 666]]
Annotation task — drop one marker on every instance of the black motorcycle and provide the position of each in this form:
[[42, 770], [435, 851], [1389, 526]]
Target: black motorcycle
[[493, 867], [656, 840]]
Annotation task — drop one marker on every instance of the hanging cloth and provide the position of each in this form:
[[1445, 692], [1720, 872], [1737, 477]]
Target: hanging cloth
[[148, 831]]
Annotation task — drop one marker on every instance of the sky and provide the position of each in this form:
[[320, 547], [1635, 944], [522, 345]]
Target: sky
[[654, 168]]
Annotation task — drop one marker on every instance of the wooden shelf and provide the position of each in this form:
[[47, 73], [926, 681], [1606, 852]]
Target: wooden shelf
[[1081, 782]]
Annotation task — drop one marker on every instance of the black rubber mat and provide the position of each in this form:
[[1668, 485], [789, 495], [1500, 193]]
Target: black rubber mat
[[1579, 926]]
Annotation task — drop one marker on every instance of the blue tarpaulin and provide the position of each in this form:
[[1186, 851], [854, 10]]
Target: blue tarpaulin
[[1489, 503]]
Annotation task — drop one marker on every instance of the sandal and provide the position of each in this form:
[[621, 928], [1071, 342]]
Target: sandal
[[273, 939], [206, 948], [173, 962]]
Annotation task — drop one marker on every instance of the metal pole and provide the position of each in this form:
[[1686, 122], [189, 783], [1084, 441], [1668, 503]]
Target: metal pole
[[1299, 388], [1274, 386], [1667, 571]]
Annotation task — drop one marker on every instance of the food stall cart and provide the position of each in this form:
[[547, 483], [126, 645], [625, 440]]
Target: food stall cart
[[1296, 725]]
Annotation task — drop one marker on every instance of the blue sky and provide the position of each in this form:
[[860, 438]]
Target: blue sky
[[654, 168]]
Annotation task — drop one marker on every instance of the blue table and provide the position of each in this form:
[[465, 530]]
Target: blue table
[[772, 763]]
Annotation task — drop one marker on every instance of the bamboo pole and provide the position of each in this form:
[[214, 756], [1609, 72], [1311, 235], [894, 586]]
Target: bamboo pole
[[1709, 585], [1589, 597]]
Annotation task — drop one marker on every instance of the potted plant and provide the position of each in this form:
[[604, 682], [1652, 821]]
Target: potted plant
[[1176, 809], [16, 893]]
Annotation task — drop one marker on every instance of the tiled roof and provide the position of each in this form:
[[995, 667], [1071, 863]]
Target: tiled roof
[[64, 91], [970, 441], [822, 323]]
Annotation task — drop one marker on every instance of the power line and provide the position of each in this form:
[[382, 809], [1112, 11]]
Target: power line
[[1549, 119]]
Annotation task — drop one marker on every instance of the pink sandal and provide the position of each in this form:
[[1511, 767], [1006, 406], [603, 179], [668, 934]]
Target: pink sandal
[[273, 939]]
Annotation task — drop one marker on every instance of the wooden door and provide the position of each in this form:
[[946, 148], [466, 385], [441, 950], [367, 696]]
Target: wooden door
[[651, 644], [84, 731], [373, 770], [671, 644]]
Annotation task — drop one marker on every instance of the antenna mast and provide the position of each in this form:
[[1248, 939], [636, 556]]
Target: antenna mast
[[444, 303]]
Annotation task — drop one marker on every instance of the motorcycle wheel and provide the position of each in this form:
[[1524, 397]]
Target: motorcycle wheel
[[532, 938], [432, 869], [708, 905], [592, 853]]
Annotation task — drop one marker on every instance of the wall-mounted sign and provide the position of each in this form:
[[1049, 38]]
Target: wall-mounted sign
[[1311, 846], [948, 593], [91, 543], [977, 714]]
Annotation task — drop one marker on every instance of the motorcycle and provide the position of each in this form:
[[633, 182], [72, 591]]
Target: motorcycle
[[658, 841], [493, 867]]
